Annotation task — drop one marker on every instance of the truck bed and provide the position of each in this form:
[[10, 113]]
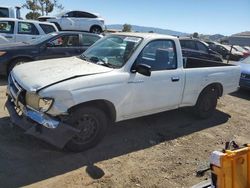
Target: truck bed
[[198, 63]]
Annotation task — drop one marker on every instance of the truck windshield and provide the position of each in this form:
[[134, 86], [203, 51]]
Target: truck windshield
[[4, 12], [112, 51]]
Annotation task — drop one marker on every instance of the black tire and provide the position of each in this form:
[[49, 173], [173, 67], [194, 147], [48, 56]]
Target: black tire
[[93, 124], [58, 26], [16, 62], [206, 103], [96, 29]]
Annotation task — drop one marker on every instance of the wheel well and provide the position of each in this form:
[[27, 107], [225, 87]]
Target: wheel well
[[16, 58], [217, 86], [107, 107], [95, 26]]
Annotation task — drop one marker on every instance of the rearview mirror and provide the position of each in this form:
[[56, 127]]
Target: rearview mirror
[[143, 69]]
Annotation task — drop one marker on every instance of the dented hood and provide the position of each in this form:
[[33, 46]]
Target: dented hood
[[39, 74]]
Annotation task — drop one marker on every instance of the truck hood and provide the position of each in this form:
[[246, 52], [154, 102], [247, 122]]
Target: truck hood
[[36, 75]]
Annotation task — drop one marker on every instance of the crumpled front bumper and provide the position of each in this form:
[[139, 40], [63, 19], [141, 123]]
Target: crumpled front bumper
[[58, 136]]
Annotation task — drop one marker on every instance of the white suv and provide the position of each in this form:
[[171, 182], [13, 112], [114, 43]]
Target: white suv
[[16, 30], [77, 21]]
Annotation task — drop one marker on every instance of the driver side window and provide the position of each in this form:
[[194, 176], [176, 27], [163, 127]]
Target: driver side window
[[65, 41], [159, 54]]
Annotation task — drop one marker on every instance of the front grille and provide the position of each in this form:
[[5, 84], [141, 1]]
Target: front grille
[[16, 90]]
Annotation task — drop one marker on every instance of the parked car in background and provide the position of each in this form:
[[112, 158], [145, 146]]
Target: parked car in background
[[77, 21], [226, 51], [195, 48], [54, 45], [247, 48], [16, 30], [242, 50], [245, 72], [122, 76], [10, 12]]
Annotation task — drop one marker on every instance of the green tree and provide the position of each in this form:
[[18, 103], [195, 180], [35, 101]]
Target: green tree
[[196, 35], [40, 7], [32, 5], [127, 28]]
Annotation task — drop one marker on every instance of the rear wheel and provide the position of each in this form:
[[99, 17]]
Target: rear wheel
[[206, 103], [92, 123], [16, 62], [96, 29]]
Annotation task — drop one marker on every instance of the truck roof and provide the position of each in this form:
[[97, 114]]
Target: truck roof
[[145, 35], [30, 21]]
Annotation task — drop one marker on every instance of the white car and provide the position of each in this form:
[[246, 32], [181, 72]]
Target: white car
[[10, 12], [122, 76], [77, 21], [16, 30]]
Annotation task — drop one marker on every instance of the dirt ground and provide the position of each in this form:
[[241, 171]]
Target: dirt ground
[[162, 150]]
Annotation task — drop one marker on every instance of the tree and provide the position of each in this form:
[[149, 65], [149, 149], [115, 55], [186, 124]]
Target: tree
[[40, 7], [33, 15], [32, 5], [196, 35], [127, 28], [48, 6]]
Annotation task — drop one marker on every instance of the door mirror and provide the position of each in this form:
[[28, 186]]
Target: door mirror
[[143, 69], [210, 51], [49, 44]]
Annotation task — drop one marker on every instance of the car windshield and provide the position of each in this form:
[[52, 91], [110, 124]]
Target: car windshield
[[112, 51], [41, 39], [246, 60], [238, 48], [229, 48]]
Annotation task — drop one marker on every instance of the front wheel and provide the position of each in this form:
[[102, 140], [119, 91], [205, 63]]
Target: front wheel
[[206, 103], [92, 123]]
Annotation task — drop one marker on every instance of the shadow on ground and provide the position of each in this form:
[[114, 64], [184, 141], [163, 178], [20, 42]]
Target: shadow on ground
[[242, 93], [3, 80], [25, 160]]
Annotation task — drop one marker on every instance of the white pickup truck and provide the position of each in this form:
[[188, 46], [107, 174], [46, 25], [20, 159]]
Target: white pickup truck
[[70, 102]]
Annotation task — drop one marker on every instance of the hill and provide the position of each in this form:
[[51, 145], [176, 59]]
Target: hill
[[144, 29]]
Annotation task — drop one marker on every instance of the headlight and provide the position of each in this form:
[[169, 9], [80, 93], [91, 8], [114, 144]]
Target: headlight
[[36, 102], [2, 53], [45, 104]]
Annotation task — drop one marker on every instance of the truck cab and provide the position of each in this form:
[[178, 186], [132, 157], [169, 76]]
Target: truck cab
[[10, 12]]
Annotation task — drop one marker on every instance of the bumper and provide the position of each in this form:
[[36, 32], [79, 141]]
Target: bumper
[[245, 83], [58, 136]]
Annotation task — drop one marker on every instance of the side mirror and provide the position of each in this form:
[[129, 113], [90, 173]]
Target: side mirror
[[210, 51], [49, 44], [142, 69]]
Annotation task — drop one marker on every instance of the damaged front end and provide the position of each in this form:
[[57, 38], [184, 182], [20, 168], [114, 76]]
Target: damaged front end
[[34, 122]]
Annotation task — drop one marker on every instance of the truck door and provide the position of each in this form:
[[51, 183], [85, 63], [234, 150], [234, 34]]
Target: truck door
[[7, 29], [163, 89], [26, 32]]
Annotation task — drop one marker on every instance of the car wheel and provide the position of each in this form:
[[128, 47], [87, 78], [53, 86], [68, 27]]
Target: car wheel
[[206, 103], [92, 123], [16, 62], [96, 29]]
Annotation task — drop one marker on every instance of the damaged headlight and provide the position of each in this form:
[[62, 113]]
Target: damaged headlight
[[45, 104], [36, 102]]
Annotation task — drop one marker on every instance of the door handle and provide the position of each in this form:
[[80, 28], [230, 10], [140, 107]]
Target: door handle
[[175, 78], [8, 37]]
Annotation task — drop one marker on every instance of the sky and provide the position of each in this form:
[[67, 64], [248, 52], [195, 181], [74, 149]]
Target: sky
[[203, 16]]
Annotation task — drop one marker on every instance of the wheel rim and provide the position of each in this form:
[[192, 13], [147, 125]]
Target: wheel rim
[[88, 126], [96, 30]]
